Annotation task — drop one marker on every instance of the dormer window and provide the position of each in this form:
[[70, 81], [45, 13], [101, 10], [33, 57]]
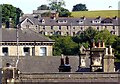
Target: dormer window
[[62, 21], [80, 21], [43, 21], [96, 21], [107, 20]]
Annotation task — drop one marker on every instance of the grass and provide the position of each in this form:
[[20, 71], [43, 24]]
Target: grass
[[92, 14]]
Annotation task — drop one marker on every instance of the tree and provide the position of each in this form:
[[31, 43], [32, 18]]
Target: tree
[[10, 14], [88, 35], [79, 7], [55, 5], [105, 36], [58, 6], [85, 37], [64, 45], [116, 46], [43, 7], [64, 13]]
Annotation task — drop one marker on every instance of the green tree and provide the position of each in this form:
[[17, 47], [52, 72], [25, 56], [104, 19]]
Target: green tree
[[10, 14], [43, 7], [64, 45], [88, 35], [105, 36], [64, 12], [58, 6], [79, 7], [55, 5], [116, 46]]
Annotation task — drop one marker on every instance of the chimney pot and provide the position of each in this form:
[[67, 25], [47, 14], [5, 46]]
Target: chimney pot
[[103, 44], [66, 60], [99, 44]]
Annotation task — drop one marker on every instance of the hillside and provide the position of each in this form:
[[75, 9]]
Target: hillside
[[102, 13]]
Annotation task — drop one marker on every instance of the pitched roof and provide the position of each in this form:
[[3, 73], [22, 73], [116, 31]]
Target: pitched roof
[[74, 21], [25, 35]]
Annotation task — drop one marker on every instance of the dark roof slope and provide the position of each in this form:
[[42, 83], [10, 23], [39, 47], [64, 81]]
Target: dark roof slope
[[71, 21], [25, 35]]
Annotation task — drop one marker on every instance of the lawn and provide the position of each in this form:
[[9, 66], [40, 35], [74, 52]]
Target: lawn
[[102, 13]]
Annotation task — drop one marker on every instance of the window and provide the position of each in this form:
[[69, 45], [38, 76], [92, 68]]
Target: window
[[67, 33], [80, 22], [52, 27], [105, 27], [26, 51], [81, 28], [43, 21], [59, 27], [73, 33], [113, 27], [67, 27], [73, 27], [43, 27], [27, 26], [43, 51], [98, 28], [5, 51]]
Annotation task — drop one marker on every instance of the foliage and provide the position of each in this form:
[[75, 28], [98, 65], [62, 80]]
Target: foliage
[[64, 45], [9, 11], [116, 46], [94, 14], [43, 7], [58, 6], [88, 35], [79, 7], [54, 5], [105, 36], [64, 12], [70, 45]]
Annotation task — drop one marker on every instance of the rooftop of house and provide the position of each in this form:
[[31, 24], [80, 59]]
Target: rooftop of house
[[25, 35], [71, 21]]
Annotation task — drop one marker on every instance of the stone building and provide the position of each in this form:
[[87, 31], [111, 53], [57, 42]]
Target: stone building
[[29, 43], [69, 26]]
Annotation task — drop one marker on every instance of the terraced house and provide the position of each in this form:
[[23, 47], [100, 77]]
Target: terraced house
[[29, 43], [69, 26]]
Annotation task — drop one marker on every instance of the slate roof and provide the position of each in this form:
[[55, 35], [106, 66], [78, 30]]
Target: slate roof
[[25, 35], [73, 21], [36, 64]]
